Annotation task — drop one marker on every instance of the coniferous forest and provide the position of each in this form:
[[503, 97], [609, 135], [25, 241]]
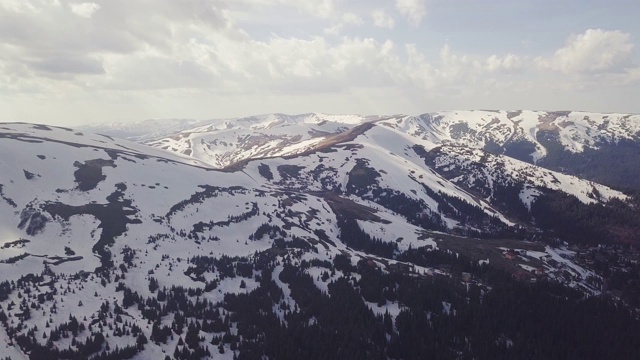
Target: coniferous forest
[[439, 318]]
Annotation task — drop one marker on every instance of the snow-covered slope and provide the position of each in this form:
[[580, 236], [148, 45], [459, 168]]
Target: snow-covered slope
[[74, 205], [476, 168], [482, 129], [224, 142], [142, 130], [523, 133], [89, 222]]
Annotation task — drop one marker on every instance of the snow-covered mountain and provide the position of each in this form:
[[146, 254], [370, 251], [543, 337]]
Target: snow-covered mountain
[[493, 130], [154, 242], [142, 130], [525, 134], [224, 142]]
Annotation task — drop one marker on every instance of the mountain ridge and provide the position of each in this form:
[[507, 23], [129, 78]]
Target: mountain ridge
[[365, 211], [509, 132]]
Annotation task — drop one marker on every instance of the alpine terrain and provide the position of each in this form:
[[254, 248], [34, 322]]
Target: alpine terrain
[[450, 235]]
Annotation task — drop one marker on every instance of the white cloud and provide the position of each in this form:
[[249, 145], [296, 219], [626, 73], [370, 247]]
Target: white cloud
[[335, 29], [633, 75], [199, 47], [85, 9], [318, 8], [348, 19], [382, 19], [413, 10], [508, 63], [18, 6], [594, 51], [292, 65], [352, 19], [322, 8], [160, 54]]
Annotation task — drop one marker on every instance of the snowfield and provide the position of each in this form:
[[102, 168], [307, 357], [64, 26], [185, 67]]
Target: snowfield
[[75, 206]]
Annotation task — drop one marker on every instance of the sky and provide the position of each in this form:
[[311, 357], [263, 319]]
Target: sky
[[72, 63]]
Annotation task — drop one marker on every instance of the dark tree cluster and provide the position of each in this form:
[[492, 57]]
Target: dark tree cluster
[[353, 236], [232, 219], [199, 197], [615, 164], [576, 222]]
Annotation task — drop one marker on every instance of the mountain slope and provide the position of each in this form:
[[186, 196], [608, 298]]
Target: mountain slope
[[99, 206], [598, 147], [225, 142], [484, 129], [526, 135], [112, 249], [594, 146]]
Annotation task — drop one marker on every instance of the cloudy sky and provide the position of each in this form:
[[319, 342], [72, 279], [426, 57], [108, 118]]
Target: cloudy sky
[[68, 62]]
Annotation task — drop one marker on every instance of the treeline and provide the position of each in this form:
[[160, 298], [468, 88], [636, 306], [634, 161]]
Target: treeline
[[613, 164], [440, 319], [353, 236], [434, 317], [207, 193], [337, 325], [576, 222], [231, 219]]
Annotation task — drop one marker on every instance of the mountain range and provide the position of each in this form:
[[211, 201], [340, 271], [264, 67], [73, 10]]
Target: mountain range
[[321, 236]]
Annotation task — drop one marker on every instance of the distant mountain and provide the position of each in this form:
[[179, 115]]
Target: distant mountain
[[141, 130], [561, 141], [596, 146], [224, 142], [317, 236]]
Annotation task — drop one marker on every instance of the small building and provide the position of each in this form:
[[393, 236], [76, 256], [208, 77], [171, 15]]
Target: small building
[[511, 255]]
